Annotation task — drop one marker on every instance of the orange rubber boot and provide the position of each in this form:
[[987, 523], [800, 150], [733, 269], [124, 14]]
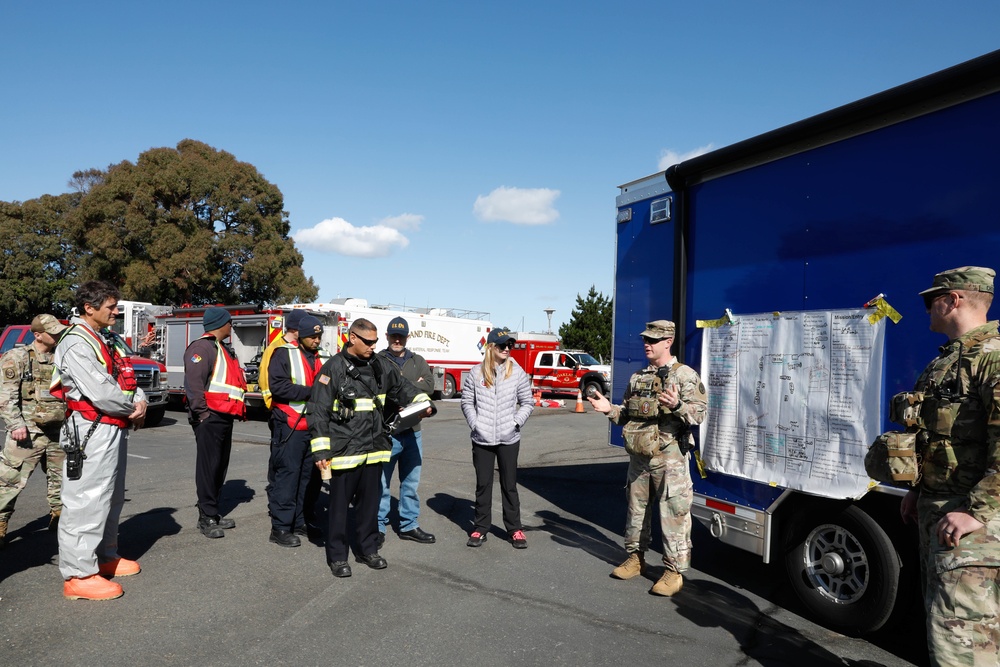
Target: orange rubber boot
[[119, 567], [94, 587]]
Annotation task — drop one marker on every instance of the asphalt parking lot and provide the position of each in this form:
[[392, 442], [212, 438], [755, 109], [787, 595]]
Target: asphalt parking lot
[[242, 601]]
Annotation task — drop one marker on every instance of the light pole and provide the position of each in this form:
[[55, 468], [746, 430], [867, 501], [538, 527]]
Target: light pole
[[549, 311]]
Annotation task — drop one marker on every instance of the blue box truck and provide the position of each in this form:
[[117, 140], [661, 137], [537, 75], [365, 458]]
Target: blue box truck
[[872, 198]]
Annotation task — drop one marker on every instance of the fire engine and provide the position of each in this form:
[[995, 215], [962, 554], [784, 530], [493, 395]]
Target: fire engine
[[450, 340], [253, 328], [555, 370]]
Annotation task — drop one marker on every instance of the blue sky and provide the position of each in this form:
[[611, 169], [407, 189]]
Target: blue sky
[[448, 154]]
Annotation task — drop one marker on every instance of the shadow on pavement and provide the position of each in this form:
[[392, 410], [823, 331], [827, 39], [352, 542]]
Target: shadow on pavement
[[137, 534]]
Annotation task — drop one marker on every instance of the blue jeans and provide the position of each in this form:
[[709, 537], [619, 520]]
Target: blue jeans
[[408, 452]]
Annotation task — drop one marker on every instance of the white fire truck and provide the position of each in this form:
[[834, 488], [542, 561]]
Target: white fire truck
[[452, 341]]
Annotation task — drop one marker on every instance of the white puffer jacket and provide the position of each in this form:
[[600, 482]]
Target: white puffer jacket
[[496, 414]]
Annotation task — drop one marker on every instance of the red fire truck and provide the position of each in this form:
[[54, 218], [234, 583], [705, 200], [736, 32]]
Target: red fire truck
[[555, 370]]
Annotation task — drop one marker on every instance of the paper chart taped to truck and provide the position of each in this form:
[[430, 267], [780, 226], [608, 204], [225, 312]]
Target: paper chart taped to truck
[[794, 398]]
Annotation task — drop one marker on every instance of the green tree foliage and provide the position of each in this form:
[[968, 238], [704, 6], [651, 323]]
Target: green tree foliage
[[589, 327], [37, 266], [187, 225]]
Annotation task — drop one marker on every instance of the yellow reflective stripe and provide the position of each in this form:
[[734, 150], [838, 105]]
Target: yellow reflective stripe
[[217, 385], [319, 444], [420, 397], [347, 462], [381, 456], [364, 405]]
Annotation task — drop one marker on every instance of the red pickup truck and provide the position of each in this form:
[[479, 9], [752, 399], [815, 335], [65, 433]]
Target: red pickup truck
[[150, 375]]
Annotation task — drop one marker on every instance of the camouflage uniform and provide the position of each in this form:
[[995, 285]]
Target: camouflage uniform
[[25, 401], [959, 445], [664, 476]]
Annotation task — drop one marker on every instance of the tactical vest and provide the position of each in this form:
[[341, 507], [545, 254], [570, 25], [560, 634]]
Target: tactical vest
[[37, 402], [303, 375], [642, 433], [945, 416], [227, 386], [115, 364]]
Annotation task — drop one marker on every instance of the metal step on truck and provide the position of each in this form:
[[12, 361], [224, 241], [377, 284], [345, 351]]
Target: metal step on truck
[[779, 258]]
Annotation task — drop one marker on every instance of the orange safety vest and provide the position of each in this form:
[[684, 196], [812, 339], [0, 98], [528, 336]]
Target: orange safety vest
[[303, 375], [227, 385], [107, 357]]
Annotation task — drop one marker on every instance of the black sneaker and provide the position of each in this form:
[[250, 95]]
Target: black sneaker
[[518, 540], [476, 539]]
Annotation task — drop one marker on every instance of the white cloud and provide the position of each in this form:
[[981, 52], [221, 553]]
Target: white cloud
[[408, 221], [521, 206], [339, 236], [669, 157]]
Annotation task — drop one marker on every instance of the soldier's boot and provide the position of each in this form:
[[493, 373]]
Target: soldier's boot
[[632, 567], [54, 520], [668, 584], [3, 533]]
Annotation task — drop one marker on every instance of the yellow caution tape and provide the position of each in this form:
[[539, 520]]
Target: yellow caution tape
[[883, 309], [715, 324], [700, 464]]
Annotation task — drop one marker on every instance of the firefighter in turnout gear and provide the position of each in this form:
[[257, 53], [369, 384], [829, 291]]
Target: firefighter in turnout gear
[[215, 386], [346, 416], [663, 401], [33, 418]]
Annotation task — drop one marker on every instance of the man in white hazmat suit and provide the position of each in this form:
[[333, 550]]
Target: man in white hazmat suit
[[98, 385]]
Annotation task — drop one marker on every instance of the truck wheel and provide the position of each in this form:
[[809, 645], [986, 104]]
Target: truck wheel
[[155, 415], [591, 387], [846, 571], [449, 387]]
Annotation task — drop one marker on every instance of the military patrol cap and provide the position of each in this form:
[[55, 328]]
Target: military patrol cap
[[48, 324], [309, 326], [501, 335], [397, 325], [294, 318], [659, 329], [967, 278]]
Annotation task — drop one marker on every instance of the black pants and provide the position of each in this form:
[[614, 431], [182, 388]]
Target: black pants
[[289, 469], [214, 439], [361, 486], [505, 459]]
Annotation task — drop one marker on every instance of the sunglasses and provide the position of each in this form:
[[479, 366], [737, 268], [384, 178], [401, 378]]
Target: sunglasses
[[369, 343], [509, 345], [651, 341]]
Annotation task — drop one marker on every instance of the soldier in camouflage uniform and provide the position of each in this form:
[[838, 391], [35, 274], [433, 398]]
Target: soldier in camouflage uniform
[[33, 418], [956, 502], [663, 401]]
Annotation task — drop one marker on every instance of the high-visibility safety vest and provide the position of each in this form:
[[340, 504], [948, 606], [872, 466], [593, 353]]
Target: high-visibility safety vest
[[112, 360], [227, 386], [302, 374], [263, 381]]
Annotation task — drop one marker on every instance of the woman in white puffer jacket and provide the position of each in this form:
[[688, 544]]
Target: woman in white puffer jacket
[[496, 401]]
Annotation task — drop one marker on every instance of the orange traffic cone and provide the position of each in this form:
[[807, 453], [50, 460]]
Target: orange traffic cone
[[579, 402]]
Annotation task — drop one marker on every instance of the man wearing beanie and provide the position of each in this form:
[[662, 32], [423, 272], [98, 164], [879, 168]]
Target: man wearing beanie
[[215, 388], [291, 371]]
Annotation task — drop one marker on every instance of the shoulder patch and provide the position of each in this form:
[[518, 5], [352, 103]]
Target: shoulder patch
[[323, 379], [9, 373], [196, 358]]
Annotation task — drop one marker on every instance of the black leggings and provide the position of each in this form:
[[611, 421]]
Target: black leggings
[[505, 458]]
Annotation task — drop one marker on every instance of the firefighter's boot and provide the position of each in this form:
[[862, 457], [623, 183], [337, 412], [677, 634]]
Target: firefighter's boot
[[632, 567], [668, 584]]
